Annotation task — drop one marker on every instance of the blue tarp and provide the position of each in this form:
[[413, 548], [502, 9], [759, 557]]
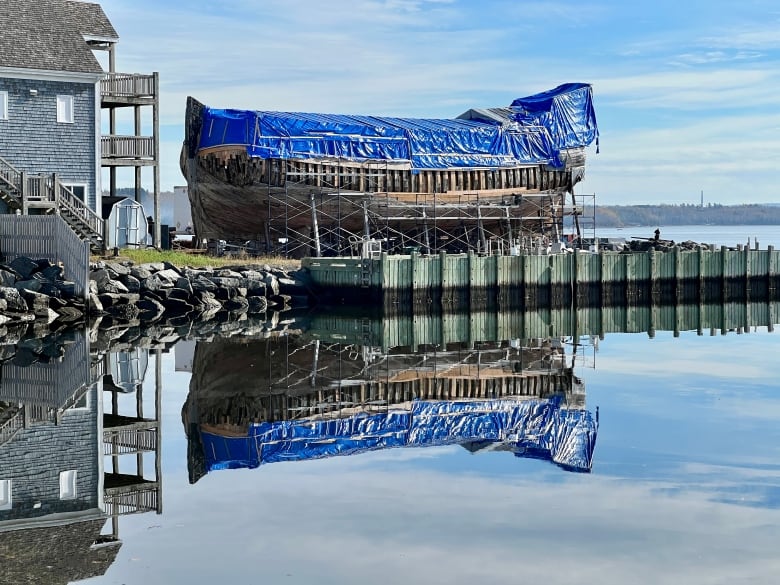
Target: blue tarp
[[535, 428], [542, 125]]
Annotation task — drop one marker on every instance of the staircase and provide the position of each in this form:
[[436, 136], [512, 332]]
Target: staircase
[[23, 191]]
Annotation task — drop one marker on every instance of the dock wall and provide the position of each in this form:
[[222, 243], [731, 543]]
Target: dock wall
[[456, 281]]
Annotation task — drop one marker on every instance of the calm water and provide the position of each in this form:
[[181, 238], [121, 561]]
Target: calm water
[[720, 235], [684, 485]]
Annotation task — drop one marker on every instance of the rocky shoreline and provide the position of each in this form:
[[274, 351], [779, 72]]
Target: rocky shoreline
[[35, 293]]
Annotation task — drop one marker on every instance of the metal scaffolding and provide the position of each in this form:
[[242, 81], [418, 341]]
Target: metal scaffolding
[[351, 214]]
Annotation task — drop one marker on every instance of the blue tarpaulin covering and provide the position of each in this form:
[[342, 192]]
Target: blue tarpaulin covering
[[541, 126], [535, 428]]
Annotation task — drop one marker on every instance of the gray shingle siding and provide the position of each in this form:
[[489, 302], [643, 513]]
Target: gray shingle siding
[[32, 140], [34, 458]]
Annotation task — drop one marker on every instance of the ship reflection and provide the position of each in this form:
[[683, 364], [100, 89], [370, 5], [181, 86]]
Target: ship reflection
[[296, 398]]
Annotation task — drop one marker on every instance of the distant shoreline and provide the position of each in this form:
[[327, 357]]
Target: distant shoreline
[[629, 216]]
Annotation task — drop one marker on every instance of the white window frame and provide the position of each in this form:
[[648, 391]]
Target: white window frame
[[3, 105], [6, 502], [65, 110], [68, 484], [80, 186]]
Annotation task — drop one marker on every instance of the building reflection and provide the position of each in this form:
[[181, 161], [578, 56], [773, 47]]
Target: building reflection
[[293, 398], [63, 483]]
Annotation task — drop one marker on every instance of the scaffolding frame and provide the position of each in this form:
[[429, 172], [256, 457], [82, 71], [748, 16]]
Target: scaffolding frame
[[345, 209]]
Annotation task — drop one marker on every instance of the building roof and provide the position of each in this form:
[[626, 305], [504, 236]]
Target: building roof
[[56, 555], [91, 20], [49, 35]]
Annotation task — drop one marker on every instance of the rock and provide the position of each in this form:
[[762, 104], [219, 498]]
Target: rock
[[292, 287], [184, 284], [37, 303], [201, 283], [237, 304], [118, 268], [132, 284], [149, 309], [113, 286], [51, 315], [69, 314], [126, 312], [177, 306], [272, 284], [257, 304], [67, 289], [95, 306], [33, 285], [153, 266], [208, 301], [226, 281], [24, 266], [55, 302], [50, 290], [100, 277], [43, 263], [24, 357], [114, 299], [140, 272], [53, 273], [15, 302], [7, 278]]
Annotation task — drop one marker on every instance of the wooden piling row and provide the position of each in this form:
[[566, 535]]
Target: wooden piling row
[[586, 279]]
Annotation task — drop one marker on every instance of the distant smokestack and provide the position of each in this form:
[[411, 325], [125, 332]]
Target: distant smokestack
[[702, 198]]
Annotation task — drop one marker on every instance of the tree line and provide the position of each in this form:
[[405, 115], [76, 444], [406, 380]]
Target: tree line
[[687, 214]]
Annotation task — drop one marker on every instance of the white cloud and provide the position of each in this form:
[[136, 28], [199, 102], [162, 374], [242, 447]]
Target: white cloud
[[437, 58], [323, 522]]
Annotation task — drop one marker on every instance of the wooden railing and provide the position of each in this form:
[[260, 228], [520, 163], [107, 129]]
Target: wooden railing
[[127, 147], [10, 179], [12, 425], [22, 190], [132, 500], [79, 211], [121, 442], [128, 85]]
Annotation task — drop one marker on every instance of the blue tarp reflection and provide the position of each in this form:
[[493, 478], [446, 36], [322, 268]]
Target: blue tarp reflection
[[539, 127], [533, 428]]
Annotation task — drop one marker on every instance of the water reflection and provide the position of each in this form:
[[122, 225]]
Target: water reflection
[[298, 398], [62, 435], [80, 413]]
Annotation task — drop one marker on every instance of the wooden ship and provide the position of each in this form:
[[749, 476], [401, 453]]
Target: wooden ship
[[316, 184]]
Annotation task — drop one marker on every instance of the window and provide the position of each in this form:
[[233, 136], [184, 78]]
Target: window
[[65, 109], [80, 191], [3, 105], [5, 494], [68, 485]]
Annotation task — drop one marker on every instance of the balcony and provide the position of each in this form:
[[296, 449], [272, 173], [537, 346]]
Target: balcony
[[127, 151], [126, 89], [129, 494]]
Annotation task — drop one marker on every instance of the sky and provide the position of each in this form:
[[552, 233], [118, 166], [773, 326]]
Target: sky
[[686, 93]]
